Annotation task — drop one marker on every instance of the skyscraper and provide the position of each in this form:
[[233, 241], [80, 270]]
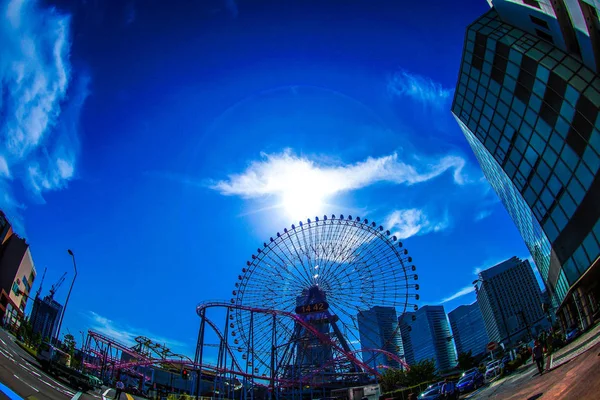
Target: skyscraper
[[527, 101], [378, 329], [430, 337], [468, 329], [405, 320], [510, 301], [44, 317]]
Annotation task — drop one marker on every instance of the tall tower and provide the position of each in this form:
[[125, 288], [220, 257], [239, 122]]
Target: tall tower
[[378, 329], [510, 301], [431, 338], [468, 329], [527, 101]]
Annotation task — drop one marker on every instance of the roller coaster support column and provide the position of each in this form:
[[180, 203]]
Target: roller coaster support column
[[199, 351], [273, 349]]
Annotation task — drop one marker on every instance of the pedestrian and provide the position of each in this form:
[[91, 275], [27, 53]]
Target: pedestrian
[[448, 390], [119, 388], [538, 356]]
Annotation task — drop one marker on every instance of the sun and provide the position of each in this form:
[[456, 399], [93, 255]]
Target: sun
[[303, 203]]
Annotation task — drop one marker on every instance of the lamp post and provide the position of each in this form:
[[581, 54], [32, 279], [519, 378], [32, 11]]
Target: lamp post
[[62, 315]]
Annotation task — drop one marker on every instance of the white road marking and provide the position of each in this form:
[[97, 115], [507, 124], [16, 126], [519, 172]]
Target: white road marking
[[5, 354], [26, 383], [77, 396], [3, 342], [104, 394], [30, 370]]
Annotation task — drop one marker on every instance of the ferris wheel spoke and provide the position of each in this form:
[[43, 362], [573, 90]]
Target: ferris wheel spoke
[[353, 264]]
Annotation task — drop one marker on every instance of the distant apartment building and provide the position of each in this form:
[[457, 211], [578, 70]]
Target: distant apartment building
[[17, 273], [45, 317], [378, 329], [510, 301], [527, 101], [404, 321], [430, 337], [468, 329]]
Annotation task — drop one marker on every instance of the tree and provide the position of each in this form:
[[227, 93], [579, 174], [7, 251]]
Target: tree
[[69, 343], [423, 371], [466, 361]]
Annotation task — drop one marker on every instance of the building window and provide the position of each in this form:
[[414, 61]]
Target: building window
[[526, 79], [500, 61], [533, 3], [539, 22], [544, 35], [15, 288], [479, 50]]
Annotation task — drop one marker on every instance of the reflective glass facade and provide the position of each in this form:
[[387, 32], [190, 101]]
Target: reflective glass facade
[[510, 301], [431, 338], [530, 113], [468, 329], [378, 329]]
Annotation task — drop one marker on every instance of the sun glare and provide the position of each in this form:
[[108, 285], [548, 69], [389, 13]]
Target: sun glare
[[303, 203]]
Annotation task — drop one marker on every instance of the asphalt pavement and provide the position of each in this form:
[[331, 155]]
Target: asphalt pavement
[[21, 377]]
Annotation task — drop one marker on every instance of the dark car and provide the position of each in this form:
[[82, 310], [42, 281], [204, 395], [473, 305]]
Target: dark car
[[572, 334], [470, 382]]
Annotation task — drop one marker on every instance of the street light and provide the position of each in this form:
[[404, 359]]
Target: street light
[[62, 315]]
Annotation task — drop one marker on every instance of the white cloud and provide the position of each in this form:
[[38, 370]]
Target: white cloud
[[278, 174], [126, 335], [462, 292], [34, 71], [419, 88], [410, 222], [40, 105], [4, 172], [483, 215]]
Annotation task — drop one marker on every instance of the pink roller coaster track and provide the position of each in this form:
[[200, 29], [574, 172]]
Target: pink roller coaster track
[[236, 370]]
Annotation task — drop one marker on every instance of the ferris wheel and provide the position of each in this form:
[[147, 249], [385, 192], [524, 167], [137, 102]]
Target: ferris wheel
[[348, 277]]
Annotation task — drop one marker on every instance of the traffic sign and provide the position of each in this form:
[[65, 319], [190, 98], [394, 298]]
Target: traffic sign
[[491, 346]]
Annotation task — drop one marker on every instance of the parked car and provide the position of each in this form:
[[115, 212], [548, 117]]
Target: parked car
[[470, 382], [572, 334], [432, 393], [493, 369], [469, 372]]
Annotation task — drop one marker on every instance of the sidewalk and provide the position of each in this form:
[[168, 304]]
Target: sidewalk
[[583, 343]]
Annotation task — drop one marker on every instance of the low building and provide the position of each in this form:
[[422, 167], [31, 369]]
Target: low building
[[17, 273]]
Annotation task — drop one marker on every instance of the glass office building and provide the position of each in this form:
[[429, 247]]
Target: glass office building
[[468, 329], [378, 329], [431, 339], [404, 321], [529, 111]]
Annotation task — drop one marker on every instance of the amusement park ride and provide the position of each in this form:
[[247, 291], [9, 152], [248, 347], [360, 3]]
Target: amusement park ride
[[291, 328]]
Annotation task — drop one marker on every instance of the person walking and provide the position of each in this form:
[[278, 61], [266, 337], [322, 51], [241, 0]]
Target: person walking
[[537, 354], [448, 390], [119, 388]]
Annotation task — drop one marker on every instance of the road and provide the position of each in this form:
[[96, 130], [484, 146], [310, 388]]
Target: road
[[577, 379], [22, 378]]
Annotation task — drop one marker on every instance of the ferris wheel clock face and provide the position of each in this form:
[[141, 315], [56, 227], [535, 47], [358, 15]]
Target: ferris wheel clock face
[[333, 270]]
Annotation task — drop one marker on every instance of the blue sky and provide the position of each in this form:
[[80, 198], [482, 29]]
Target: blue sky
[[163, 142]]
